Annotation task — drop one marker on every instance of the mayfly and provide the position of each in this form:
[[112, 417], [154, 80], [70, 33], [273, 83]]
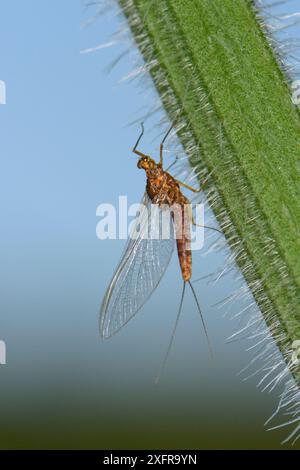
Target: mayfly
[[145, 259]]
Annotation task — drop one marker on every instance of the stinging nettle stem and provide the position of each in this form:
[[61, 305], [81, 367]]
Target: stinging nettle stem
[[241, 132]]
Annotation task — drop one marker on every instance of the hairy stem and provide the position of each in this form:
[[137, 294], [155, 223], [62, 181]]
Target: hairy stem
[[212, 61]]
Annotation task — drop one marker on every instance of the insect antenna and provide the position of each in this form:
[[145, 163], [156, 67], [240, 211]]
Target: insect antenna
[[163, 364], [202, 319]]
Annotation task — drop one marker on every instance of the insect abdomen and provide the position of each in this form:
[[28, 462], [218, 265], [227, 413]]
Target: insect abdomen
[[185, 257], [183, 239]]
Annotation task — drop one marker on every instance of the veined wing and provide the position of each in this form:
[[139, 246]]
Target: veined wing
[[140, 270]]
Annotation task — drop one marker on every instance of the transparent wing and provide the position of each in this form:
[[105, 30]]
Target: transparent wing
[[140, 270]]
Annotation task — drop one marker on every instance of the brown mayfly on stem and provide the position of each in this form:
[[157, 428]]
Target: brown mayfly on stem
[[145, 258]]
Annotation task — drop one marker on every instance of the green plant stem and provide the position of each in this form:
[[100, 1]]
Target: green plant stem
[[212, 61]]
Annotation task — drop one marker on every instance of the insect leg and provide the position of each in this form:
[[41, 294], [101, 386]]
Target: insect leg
[[134, 150], [172, 164], [162, 145], [199, 225], [189, 187]]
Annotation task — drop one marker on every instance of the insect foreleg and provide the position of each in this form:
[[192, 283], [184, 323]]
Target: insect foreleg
[[134, 150], [188, 187]]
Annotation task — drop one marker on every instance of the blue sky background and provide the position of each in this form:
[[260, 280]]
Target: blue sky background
[[66, 147]]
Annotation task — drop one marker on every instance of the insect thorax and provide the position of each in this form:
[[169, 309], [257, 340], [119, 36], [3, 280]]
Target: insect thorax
[[162, 188]]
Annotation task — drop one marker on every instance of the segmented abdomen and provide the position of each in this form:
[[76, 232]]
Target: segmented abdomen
[[183, 240], [162, 188]]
